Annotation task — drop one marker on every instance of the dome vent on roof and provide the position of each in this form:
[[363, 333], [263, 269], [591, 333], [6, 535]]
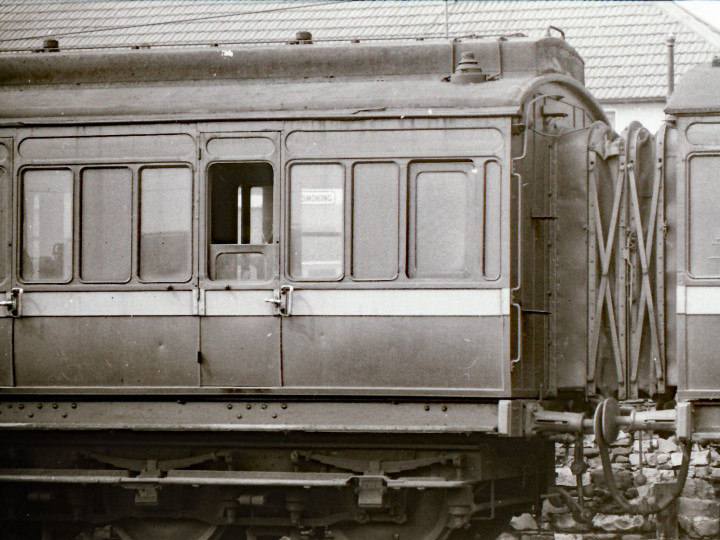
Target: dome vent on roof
[[468, 70]]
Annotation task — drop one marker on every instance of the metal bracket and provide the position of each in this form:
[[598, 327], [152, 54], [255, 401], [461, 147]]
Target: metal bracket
[[684, 420], [199, 302], [12, 301], [370, 491], [541, 217], [282, 300], [145, 494], [511, 418], [551, 110]]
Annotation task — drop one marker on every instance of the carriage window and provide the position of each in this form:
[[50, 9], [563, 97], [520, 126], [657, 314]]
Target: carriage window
[[106, 222], [491, 220], [375, 221], [242, 203], [165, 224], [704, 219], [242, 266], [241, 214], [440, 219], [47, 221], [316, 221]]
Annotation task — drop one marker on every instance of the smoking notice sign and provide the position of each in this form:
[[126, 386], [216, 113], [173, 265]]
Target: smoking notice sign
[[317, 196]]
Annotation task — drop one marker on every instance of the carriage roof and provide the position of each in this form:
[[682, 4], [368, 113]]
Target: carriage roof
[[697, 93], [283, 81]]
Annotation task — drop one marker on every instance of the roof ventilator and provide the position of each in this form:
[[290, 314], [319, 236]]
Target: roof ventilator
[[468, 71], [51, 45], [301, 38]]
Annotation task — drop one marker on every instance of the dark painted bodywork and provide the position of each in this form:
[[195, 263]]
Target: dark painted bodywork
[[193, 337], [410, 360], [696, 130]]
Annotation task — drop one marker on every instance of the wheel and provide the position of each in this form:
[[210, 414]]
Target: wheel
[[157, 529], [427, 519]]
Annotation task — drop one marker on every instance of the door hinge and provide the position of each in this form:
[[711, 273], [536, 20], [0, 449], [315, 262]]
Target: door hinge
[[200, 302]]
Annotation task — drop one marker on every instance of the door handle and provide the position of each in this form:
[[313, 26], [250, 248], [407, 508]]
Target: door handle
[[286, 294], [282, 300], [274, 300], [12, 302]]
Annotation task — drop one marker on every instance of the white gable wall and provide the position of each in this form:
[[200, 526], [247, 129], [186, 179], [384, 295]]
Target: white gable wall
[[649, 114]]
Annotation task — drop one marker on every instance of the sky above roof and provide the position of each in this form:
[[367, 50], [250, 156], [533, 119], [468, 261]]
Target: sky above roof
[[706, 10], [623, 43]]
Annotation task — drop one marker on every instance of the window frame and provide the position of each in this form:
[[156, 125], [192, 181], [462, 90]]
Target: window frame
[[21, 224], [414, 169], [138, 221], [688, 233], [133, 219], [76, 282], [287, 263], [475, 277], [270, 251], [399, 220]]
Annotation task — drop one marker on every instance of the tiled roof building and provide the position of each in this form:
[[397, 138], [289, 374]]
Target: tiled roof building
[[623, 42]]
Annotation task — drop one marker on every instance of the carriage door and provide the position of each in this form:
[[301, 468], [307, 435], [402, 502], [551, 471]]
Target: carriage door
[[239, 332], [6, 295]]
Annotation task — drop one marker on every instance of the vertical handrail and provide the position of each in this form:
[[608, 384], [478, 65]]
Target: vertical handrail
[[518, 176], [659, 245]]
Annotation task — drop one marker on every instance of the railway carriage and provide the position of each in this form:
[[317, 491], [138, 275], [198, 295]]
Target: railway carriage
[[693, 144], [320, 290]]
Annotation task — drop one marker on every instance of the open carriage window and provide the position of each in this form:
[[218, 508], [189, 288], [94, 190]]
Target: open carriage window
[[241, 215], [242, 203]]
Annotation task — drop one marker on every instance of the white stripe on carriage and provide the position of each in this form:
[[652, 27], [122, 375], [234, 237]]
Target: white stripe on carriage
[[312, 302]]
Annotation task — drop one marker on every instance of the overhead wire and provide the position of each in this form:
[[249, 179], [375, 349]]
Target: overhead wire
[[174, 44], [312, 5], [180, 21]]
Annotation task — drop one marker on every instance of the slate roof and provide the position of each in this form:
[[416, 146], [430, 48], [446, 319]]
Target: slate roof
[[623, 43]]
